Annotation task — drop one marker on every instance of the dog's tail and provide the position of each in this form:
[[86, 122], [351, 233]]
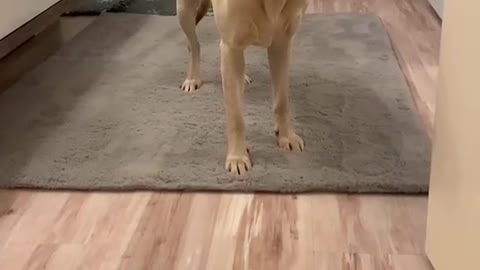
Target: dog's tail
[[202, 10]]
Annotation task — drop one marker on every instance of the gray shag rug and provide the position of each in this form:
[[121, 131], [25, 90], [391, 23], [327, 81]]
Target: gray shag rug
[[106, 113]]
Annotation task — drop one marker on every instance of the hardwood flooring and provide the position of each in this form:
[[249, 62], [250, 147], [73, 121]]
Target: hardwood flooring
[[146, 230], [47, 230]]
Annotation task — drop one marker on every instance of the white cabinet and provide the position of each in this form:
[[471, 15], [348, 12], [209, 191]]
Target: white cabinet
[[15, 13], [453, 232]]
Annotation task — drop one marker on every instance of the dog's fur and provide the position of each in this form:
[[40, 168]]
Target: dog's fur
[[269, 24]]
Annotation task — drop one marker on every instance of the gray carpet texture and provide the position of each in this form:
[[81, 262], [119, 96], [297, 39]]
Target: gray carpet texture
[[106, 113]]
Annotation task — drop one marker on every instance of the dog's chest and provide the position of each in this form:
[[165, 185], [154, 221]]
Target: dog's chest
[[278, 19], [257, 22]]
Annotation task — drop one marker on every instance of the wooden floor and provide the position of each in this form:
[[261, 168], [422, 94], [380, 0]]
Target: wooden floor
[[144, 230]]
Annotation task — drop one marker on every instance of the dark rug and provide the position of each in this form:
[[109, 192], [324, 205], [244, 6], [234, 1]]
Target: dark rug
[[95, 7], [106, 113]]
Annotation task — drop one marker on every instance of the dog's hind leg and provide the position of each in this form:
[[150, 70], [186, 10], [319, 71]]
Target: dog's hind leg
[[247, 79], [187, 16]]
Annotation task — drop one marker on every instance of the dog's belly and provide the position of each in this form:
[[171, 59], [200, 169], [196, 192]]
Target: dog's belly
[[257, 22]]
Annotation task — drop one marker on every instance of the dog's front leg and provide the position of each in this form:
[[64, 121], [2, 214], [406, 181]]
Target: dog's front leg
[[233, 67], [279, 58]]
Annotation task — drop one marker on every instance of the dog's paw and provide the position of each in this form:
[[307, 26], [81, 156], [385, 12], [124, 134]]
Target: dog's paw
[[290, 141], [238, 163], [247, 79], [190, 85]]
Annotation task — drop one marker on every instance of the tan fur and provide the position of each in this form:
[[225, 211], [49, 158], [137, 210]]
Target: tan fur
[[202, 10], [270, 24]]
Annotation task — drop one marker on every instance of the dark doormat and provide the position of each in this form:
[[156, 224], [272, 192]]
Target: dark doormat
[[95, 7], [106, 113]]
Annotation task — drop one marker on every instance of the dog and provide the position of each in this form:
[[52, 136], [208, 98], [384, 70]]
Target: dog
[[270, 24]]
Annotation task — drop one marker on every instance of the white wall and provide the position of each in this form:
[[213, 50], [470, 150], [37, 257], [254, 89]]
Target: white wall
[[15, 13], [453, 231]]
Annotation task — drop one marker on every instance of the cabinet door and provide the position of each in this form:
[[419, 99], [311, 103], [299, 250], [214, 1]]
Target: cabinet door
[[453, 231], [15, 13]]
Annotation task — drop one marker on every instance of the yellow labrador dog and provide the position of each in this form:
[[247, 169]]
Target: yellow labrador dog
[[269, 24]]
